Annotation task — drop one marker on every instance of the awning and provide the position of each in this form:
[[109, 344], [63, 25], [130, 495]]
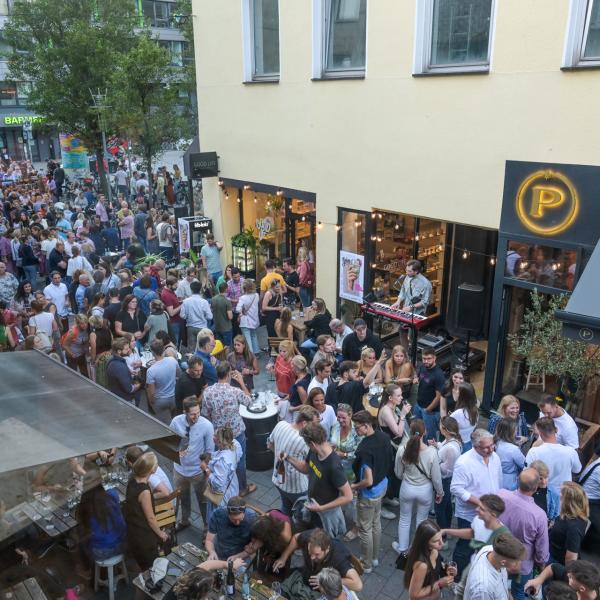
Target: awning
[[581, 316], [50, 413]]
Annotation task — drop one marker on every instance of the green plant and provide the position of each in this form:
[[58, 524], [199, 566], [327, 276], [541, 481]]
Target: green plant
[[245, 239], [540, 341]]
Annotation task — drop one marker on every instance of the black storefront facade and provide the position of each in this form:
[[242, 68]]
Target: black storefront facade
[[549, 227]]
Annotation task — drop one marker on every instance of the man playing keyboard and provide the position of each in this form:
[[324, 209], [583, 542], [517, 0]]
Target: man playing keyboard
[[414, 294]]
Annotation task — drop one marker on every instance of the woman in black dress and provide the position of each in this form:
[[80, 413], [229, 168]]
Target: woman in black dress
[[450, 393], [272, 304], [143, 532]]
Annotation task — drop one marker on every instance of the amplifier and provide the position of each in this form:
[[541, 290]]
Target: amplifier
[[431, 341]]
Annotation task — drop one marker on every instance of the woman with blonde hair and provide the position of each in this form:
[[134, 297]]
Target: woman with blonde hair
[[298, 390], [570, 528], [207, 289], [285, 376], [220, 467], [367, 361], [283, 324], [545, 497], [400, 370], [510, 408], [143, 532]]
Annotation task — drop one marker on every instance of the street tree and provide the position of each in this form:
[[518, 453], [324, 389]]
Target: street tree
[[67, 49], [147, 99]]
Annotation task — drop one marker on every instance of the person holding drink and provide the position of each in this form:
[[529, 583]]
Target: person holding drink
[[423, 576]]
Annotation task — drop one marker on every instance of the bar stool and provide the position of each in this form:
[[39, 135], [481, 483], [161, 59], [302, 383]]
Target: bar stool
[[111, 582]]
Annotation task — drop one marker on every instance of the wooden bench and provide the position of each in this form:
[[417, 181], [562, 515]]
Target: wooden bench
[[166, 511]]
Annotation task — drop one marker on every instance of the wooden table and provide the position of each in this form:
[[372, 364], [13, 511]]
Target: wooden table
[[298, 324], [184, 558], [25, 590], [54, 517]]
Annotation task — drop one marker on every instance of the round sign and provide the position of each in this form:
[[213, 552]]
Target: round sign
[[586, 334], [547, 202]]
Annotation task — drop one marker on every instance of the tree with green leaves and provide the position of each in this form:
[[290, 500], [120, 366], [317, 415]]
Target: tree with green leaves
[[147, 99], [67, 49]]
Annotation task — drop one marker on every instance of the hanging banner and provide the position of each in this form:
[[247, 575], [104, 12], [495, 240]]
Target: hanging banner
[[74, 153], [352, 276]]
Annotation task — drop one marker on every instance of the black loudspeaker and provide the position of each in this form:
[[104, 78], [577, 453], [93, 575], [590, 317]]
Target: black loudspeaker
[[469, 307]]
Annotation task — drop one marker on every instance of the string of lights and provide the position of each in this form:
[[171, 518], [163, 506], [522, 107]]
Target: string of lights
[[465, 253]]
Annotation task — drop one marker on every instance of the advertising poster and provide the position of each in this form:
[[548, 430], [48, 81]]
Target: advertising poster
[[184, 235], [352, 276], [74, 153]]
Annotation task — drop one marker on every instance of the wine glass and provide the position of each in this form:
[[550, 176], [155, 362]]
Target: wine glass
[[452, 570], [275, 590]]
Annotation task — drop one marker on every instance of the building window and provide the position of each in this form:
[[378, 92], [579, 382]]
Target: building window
[[260, 27], [158, 14], [453, 36], [343, 41], [178, 51], [4, 8], [8, 94], [582, 42]]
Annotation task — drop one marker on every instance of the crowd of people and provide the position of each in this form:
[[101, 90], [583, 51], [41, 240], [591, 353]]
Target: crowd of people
[[92, 285]]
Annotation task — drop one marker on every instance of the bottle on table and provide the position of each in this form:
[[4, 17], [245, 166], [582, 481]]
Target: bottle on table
[[230, 580], [245, 587]]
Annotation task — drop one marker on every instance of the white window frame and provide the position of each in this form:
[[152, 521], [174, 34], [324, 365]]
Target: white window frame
[[249, 63], [576, 36], [424, 38], [321, 11]]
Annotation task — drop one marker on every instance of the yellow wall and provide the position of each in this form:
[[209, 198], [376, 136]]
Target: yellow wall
[[432, 146]]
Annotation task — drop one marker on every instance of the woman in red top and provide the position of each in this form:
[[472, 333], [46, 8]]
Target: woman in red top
[[283, 370]]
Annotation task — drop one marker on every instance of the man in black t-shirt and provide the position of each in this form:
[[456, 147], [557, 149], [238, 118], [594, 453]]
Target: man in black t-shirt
[[431, 384], [350, 389], [190, 383], [582, 576], [328, 487], [292, 281], [320, 551], [354, 343]]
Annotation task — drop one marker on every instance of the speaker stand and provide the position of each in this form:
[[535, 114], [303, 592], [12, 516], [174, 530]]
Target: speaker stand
[[467, 351]]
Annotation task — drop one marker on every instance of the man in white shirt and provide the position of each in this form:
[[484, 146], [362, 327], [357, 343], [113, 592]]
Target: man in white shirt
[[477, 472], [197, 433], [121, 179], [57, 293], [142, 182], [322, 376], [184, 290], [568, 433], [562, 461], [488, 576], [339, 330], [196, 312]]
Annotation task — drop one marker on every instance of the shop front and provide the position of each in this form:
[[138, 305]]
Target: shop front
[[21, 139], [374, 248], [548, 230], [274, 223]]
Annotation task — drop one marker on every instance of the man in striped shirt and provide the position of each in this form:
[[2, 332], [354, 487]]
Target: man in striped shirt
[[488, 577], [285, 438]]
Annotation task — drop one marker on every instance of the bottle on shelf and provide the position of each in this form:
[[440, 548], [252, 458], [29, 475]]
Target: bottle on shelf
[[280, 470]]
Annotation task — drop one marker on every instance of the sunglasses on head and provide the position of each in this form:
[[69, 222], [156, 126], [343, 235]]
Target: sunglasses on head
[[236, 510]]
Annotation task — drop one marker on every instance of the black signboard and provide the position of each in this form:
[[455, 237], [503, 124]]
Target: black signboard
[[204, 164], [554, 202]]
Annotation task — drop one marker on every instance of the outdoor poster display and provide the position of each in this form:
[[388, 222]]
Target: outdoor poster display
[[74, 153], [184, 234], [352, 276]]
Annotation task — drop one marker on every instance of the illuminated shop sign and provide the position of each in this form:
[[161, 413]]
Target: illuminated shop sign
[[16, 120]]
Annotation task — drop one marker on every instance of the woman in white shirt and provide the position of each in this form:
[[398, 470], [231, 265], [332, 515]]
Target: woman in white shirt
[[466, 413], [77, 262], [418, 467], [511, 457], [316, 399], [448, 451], [247, 307]]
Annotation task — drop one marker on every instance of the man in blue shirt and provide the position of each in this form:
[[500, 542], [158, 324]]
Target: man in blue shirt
[[229, 529], [206, 345], [211, 257]]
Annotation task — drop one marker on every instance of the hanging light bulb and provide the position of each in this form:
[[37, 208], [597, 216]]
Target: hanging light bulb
[[221, 182], [338, 227], [320, 225], [304, 218], [374, 265], [226, 195], [256, 201], [279, 192], [239, 200], [247, 187], [493, 260], [357, 223], [380, 215], [417, 237], [379, 238], [465, 254], [289, 206], [396, 226]]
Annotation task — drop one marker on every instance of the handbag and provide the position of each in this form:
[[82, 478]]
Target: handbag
[[216, 497]]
